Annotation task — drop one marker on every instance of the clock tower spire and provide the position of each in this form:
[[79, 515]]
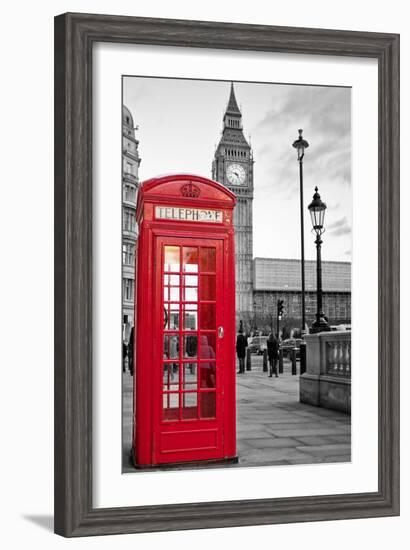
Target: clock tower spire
[[233, 167], [233, 116]]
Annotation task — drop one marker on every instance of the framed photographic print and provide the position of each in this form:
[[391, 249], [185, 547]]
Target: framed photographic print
[[226, 274]]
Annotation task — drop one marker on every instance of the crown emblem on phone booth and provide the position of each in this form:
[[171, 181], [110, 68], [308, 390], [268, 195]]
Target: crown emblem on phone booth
[[190, 190]]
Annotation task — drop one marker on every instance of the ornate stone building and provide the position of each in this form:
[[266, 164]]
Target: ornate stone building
[[233, 167], [130, 183]]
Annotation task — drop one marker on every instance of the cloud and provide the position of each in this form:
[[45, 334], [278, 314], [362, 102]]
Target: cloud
[[324, 114], [338, 223], [333, 205], [340, 227], [342, 231], [325, 109]]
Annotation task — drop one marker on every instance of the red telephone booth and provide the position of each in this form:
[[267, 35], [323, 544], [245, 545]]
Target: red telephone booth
[[184, 381]]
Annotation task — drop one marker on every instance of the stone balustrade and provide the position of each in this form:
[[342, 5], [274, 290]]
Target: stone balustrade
[[337, 356], [327, 380]]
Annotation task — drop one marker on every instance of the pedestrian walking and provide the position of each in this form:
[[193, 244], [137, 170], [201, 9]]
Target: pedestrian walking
[[241, 345], [174, 354], [131, 352], [124, 355], [273, 354], [208, 379]]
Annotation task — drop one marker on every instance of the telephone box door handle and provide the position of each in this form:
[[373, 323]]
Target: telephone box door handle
[[220, 332]]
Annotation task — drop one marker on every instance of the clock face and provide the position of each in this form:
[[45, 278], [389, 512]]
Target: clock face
[[236, 174]]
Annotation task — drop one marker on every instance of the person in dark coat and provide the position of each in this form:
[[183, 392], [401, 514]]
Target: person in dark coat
[[131, 352], [124, 355], [241, 345], [273, 354]]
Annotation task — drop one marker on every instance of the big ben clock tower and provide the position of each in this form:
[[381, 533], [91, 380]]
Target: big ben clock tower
[[233, 167]]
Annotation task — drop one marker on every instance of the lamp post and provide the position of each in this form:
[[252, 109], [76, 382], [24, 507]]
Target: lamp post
[[317, 213], [300, 145]]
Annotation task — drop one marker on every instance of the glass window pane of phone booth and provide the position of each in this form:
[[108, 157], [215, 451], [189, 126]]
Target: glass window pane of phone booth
[[207, 405], [208, 375], [190, 259], [190, 317], [207, 287], [190, 372], [189, 406], [171, 258], [171, 346], [170, 406], [207, 316], [207, 259], [171, 316], [207, 348], [170, 377], [190, 346]]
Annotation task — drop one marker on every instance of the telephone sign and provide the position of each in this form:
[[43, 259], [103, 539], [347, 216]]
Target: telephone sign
[[188, 214], [184, 381]]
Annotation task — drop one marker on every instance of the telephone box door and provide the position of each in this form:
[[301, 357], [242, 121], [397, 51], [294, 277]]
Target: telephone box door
[[190, 354]]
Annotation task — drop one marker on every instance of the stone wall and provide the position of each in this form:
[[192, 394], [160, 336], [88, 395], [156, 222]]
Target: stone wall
[[327, 380]]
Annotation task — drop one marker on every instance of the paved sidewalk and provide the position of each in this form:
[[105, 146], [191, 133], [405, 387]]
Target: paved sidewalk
[[273, 427]]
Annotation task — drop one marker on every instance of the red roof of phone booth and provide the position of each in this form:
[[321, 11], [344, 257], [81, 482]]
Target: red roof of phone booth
[[150, 184]]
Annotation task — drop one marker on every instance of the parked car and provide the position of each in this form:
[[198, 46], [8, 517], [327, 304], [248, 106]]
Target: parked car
[[257, 344], [340, 327], [288, 345]]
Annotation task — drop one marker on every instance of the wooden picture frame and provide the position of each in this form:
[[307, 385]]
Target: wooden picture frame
[[75, 35]]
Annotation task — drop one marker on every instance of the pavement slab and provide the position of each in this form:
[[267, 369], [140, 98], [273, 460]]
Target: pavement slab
[[252, 434], [314, 440], [325, 450], [301, 431], [311, 461], [286, 453], [347, 438], [271, 442]]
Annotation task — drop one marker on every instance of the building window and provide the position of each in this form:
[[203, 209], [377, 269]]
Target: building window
[[128, 168], [128, 254], [128, 193], [129, 221], [128, 119], [128, 289]]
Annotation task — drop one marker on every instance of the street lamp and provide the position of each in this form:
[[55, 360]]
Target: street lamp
[[300, 145], [317, 213]]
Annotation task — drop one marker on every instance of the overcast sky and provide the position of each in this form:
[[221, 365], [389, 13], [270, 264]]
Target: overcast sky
[[180, 123]]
